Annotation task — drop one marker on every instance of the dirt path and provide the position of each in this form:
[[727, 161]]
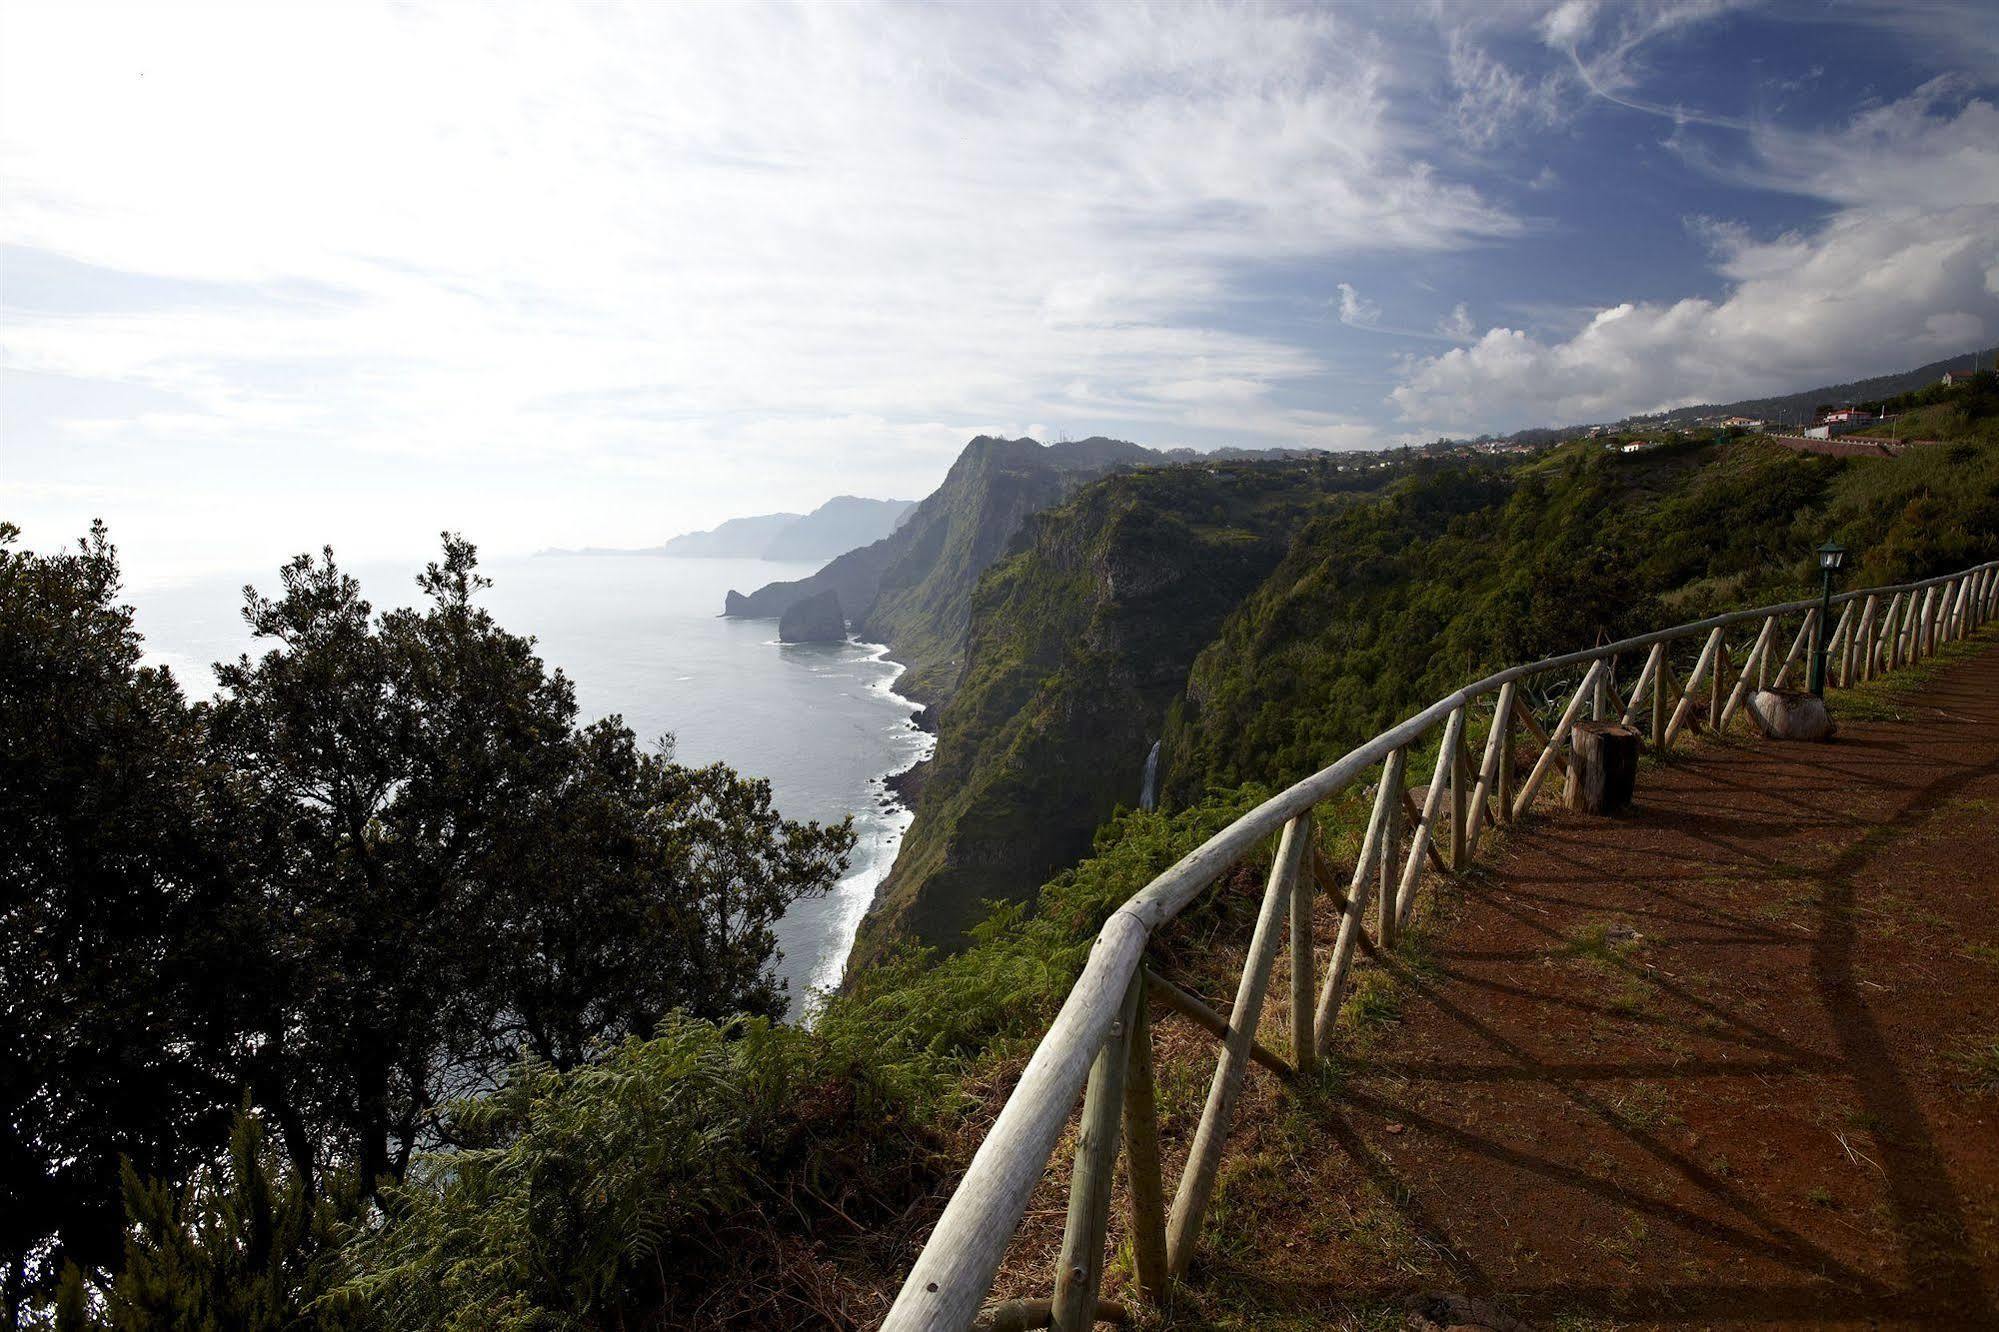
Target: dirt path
[[1726, 1061]]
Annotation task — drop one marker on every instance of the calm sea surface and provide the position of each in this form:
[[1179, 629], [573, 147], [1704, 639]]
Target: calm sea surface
[[641, 636]]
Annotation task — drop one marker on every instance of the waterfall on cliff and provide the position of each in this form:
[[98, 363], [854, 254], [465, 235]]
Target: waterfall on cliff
[[1148, 786]]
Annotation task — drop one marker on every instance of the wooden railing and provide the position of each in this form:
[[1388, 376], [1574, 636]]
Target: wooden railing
[[1102, 1034]]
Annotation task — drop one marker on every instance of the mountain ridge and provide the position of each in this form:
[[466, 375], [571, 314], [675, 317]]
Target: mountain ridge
[[912, 589], [840, 524]]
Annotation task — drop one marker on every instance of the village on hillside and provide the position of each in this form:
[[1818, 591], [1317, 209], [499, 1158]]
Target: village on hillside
[[1954, 403]]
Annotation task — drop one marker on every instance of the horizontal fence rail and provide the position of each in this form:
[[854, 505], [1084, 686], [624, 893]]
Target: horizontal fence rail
[[1102, 1037]]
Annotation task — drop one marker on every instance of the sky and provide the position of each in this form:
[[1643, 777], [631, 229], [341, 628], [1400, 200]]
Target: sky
[[274, 275]]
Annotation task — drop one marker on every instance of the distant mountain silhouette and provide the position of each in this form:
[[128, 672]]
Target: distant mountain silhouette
[[838, 525]]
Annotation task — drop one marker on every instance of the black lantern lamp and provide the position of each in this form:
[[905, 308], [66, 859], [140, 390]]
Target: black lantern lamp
[[1831, 556]]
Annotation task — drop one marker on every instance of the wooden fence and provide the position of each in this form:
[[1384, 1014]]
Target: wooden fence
[[1102, 1035]]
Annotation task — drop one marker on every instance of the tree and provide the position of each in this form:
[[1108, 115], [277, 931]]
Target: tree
[[451, 872], [110, 900], [380, 867]]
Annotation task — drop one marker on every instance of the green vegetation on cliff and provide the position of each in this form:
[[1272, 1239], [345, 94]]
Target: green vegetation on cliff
[[1266, 617], [1077, 642], [1382, 607], [1951, 413]]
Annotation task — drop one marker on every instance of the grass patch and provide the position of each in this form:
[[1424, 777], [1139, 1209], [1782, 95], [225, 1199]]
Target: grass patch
[[1978, 1063], [1375, 1001], [1628, 1243], [1645, 1108], [1596, 942], [1887, 697], [1633, 999], [1577, 1322]]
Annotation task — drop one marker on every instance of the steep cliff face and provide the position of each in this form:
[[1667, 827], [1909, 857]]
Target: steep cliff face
[[852, 576], [1077, 642], [912, 589], [817, 619]]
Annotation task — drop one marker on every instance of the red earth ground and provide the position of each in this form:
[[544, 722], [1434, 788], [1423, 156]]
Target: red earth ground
[[1728, 1059]]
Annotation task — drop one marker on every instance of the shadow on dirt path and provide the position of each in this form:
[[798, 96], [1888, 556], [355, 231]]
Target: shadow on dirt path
[[1715, 1062]]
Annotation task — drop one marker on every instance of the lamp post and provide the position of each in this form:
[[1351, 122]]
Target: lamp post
[[1831, 556]]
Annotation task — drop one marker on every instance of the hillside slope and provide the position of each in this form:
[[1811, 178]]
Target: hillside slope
[[1264, 618], [1077, 642], [1796, 406], [1380, 607], [912, 589]]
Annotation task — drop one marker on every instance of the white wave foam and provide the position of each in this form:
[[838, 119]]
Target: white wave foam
[[856, 893]]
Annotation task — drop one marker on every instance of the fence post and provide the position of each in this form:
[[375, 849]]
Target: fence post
[[1800, 645], [1488, 768], [1686, 703], [1141, 1138], [1862, 641], [1353, 918], [1388, 906], [1079, 1274], [1840, 646], [1715, 697], [1891, 636], [1304, 987], [1461, 779], [1759, 656], [1402, 888], [1197, 1180], [1661, 683], [1551, 751]]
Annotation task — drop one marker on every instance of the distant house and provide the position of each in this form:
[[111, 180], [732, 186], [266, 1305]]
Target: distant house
[[1742, 423], [1836, 424], [1955, 377]]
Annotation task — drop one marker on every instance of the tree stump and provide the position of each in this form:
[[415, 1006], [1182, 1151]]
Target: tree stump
[[1788, 714], [1603, 767]]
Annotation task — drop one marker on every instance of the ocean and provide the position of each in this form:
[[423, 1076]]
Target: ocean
[[642, 637]]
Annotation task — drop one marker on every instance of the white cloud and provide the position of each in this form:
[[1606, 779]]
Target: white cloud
[[1907, 270], [1356, 309], [1605, 48], [1493, 98], [698, 239]]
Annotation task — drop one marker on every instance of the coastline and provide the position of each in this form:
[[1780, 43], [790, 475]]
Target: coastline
[[855, 893]]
